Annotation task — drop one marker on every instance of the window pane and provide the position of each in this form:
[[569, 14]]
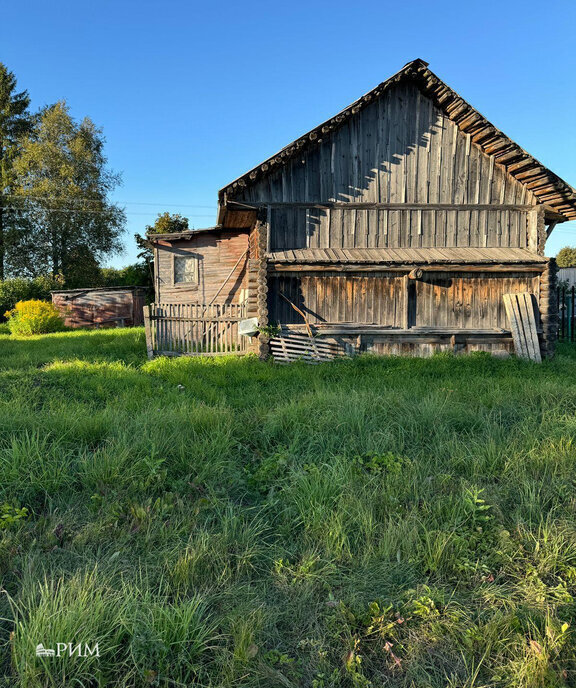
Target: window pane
[[185, 269]]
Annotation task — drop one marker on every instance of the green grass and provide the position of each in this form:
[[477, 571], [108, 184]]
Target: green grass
[[228, 523]]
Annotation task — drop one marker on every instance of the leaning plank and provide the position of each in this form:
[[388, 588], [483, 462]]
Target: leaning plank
[[516, 326], [520, 311], [526, 304]]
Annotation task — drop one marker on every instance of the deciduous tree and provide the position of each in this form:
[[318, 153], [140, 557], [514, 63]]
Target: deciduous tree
[[165, 223], [65, 181], [566, 257]]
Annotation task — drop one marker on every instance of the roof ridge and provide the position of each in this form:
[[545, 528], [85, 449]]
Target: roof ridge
[[547, 186]]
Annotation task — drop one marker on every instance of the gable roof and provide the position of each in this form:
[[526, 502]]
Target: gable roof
[[548, 187]]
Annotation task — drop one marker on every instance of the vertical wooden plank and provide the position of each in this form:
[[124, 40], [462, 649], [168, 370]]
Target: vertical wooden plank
[[148, 332]]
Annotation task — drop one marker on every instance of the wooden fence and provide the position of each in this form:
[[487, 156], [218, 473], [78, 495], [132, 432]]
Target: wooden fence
[[194, 329], [566, 311]]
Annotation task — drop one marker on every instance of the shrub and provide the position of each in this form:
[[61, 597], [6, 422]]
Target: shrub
[[34, 317]]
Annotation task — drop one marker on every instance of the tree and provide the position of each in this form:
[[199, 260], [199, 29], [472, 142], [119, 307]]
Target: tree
[[15, 122], [566, 257], [165, 223], [135, 275], [64, 180]]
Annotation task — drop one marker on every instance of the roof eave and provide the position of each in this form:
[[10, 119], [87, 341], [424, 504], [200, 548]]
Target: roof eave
[[553, 190]]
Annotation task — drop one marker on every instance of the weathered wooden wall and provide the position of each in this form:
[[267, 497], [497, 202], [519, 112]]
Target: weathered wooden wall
[[218, 253], [361, 227], [399, 150], [469, 300], [96, 307]]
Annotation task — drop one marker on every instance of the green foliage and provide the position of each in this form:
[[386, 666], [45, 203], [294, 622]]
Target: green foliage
[[566, 257], [165, 223], [9, 515], [381, 463], [64, 185], [374, 522], [22, 289], [15, 122], [270, 331], [34, 317], [135, 275]]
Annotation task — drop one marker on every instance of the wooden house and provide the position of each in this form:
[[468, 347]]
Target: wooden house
[[394, 227]]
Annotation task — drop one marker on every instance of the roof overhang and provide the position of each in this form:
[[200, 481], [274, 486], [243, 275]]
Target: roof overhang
[[166, 239], [384, 257], [548, 188]]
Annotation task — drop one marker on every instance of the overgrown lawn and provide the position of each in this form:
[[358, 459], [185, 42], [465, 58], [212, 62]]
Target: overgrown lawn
[[230, 523]]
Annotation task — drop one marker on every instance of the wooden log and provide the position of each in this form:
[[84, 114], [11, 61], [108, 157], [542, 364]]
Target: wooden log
[[403, 267], [549, 309]]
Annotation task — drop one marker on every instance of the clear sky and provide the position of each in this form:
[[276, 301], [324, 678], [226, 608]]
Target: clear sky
[[192, 94]]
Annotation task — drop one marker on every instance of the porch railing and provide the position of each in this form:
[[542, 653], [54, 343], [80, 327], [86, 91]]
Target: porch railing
[[194, 329]]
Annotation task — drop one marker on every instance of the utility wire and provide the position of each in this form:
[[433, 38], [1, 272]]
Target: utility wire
[[95, 212], [89, 200]]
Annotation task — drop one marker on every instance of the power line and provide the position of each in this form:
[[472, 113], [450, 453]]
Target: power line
[[90, 200], [94, 212]]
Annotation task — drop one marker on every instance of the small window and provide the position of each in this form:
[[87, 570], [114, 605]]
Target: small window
[[185, 270]]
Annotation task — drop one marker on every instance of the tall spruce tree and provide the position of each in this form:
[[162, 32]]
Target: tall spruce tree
[[15, 122], [65, 183]]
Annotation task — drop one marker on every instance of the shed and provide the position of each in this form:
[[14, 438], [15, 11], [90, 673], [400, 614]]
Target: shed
[[396, 226], [101, 307]]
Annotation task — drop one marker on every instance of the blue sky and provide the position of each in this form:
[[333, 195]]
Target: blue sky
[[192, 94]]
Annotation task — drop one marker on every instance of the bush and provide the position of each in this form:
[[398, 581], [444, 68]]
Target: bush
[[22, 289], [34, 317]]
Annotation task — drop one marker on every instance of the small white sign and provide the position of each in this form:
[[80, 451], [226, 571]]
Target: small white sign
[[248, 327]]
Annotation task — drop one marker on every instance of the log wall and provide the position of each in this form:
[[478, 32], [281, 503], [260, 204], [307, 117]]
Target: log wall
[[549, 309]]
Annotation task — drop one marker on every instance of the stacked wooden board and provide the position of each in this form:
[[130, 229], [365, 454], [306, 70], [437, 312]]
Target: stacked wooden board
[[288, 347]]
